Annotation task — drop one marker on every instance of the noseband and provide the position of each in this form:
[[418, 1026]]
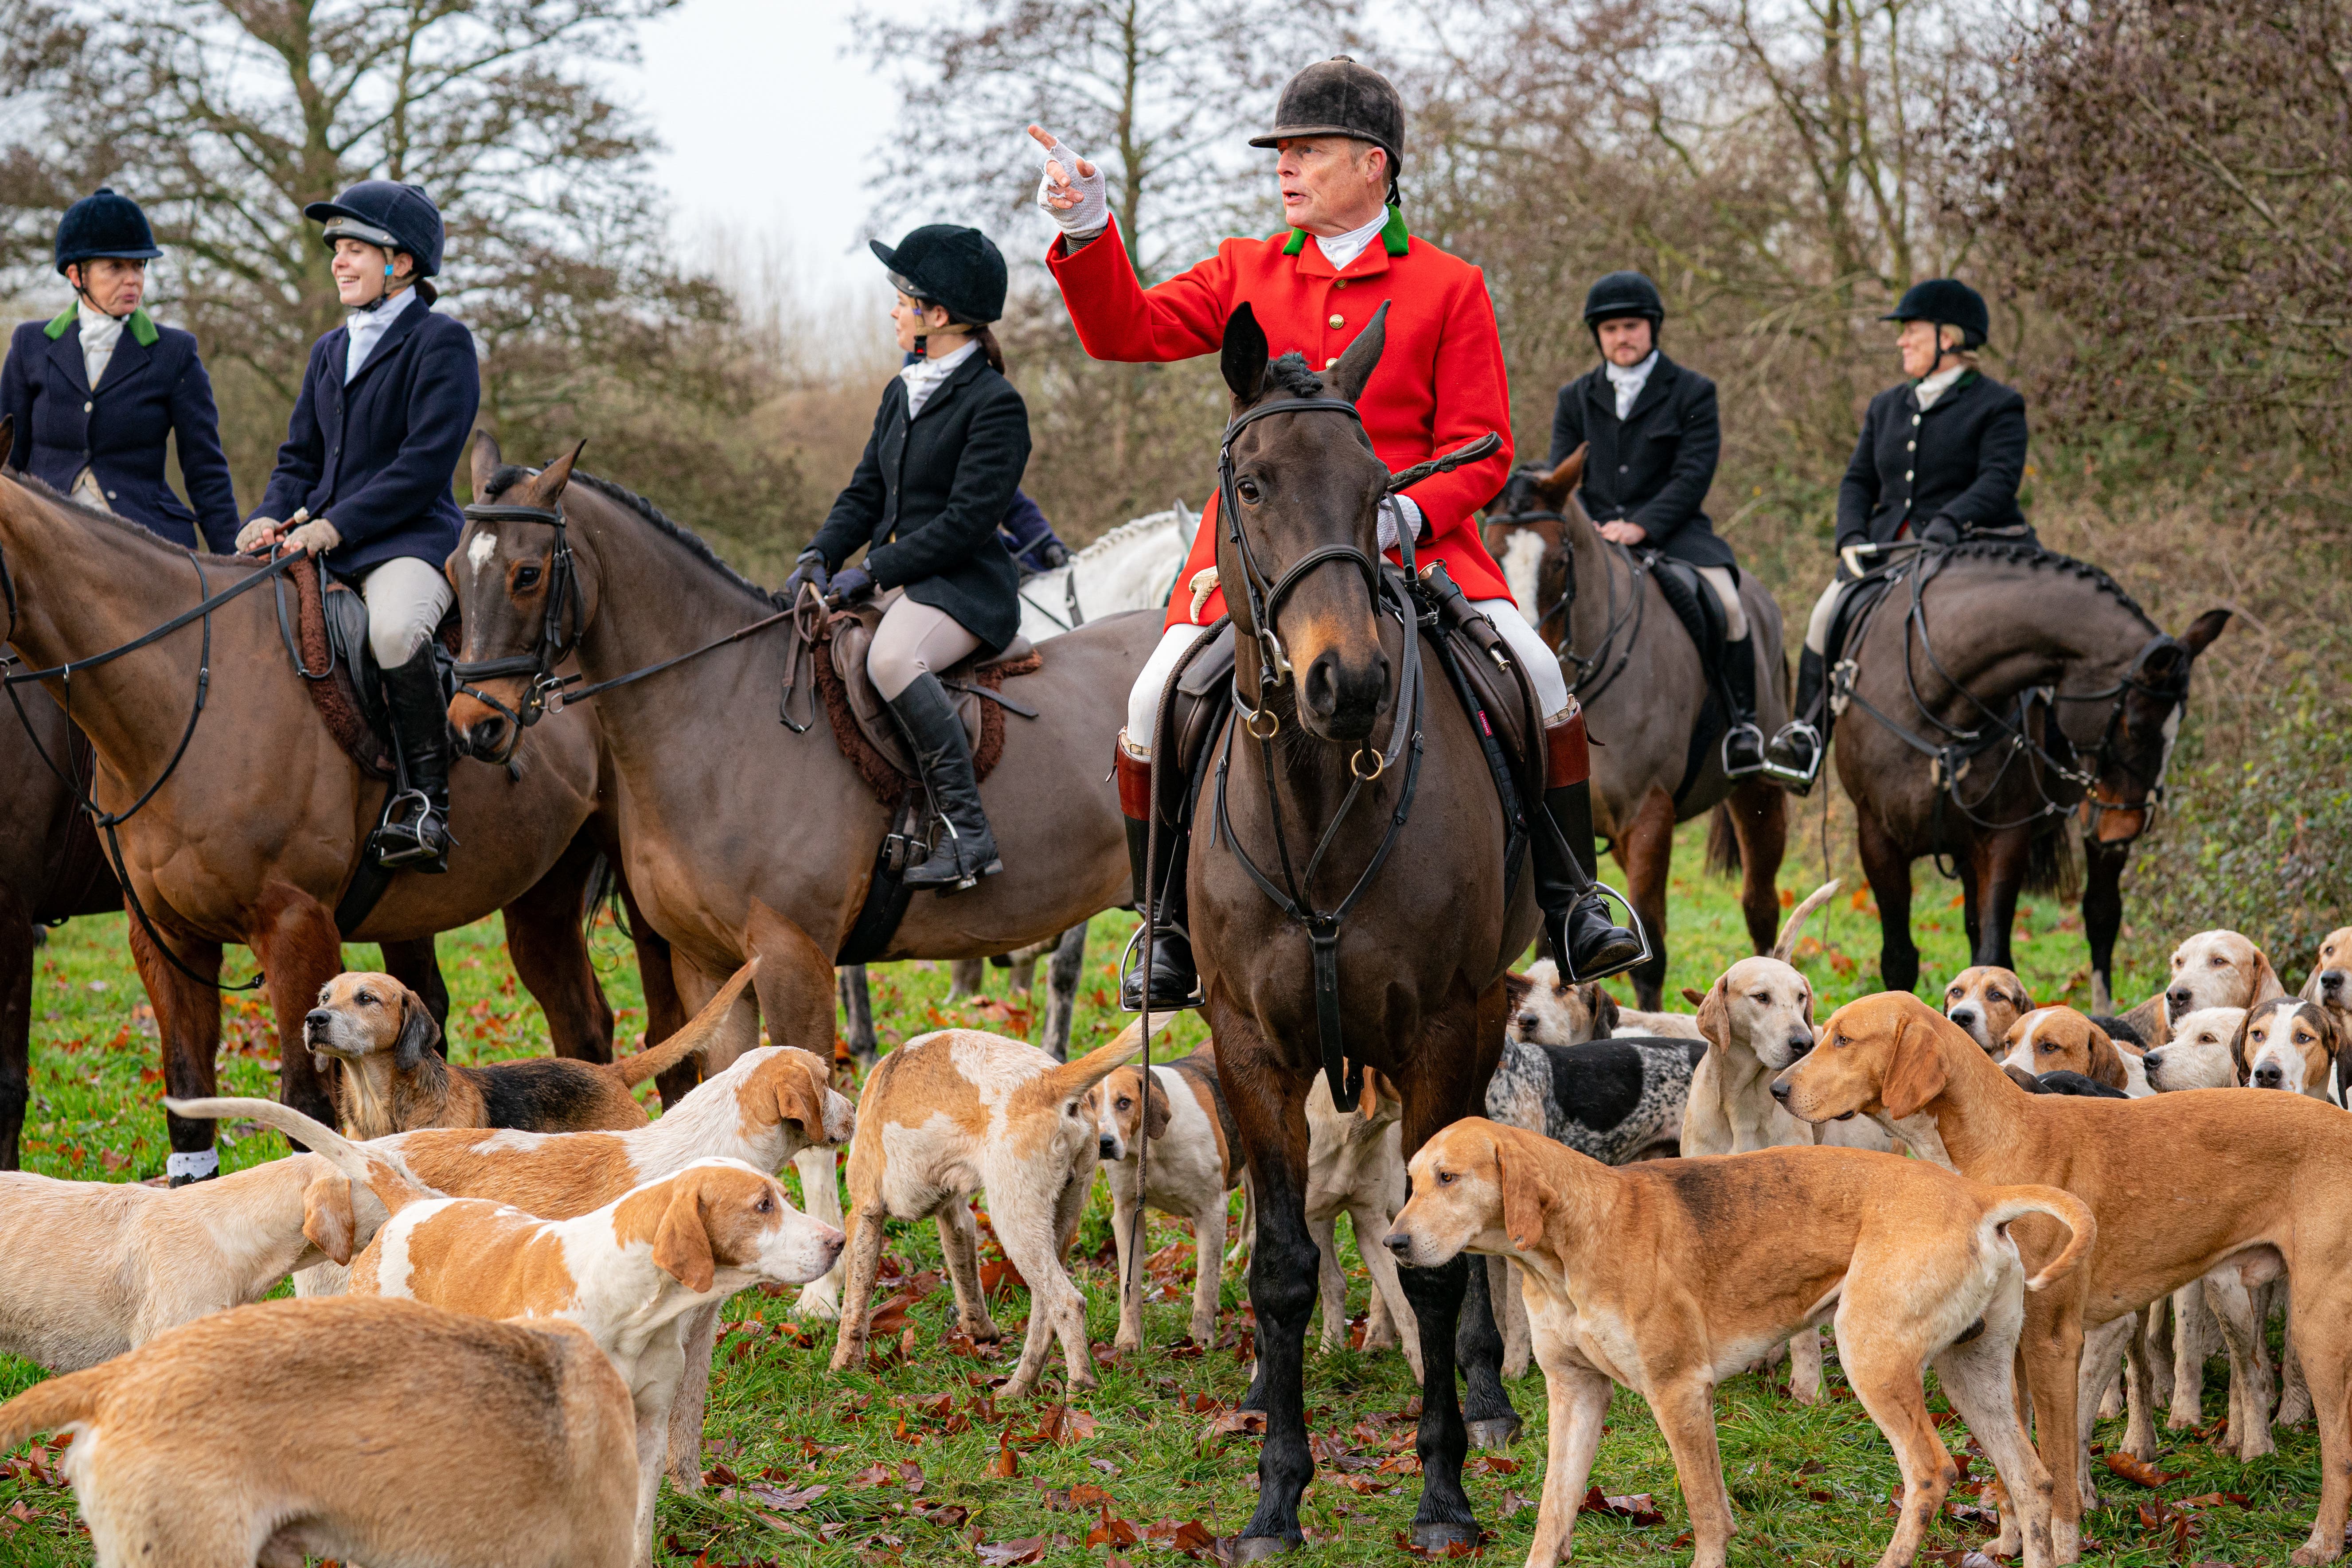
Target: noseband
[[555, 638]]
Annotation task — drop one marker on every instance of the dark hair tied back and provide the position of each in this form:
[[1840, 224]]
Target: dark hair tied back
[[986, 338]]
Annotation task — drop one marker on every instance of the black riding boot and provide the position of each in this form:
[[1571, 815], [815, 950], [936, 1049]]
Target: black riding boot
[[416, 836], [1743, 743], [1585, 942], [1794, 757], [1175, 982], [965, 850]]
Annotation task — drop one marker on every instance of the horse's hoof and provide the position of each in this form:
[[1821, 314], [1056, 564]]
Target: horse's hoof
[[1435, 1538], [1493, 1435], [1258, 1548]]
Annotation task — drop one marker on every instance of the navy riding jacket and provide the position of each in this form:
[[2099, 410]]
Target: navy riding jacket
[[154, 389], [376, 457]]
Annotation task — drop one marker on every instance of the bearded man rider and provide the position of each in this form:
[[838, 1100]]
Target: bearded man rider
[[1340, 137]]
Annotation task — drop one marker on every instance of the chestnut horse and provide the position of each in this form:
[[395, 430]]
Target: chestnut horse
[[1634, 667], [254, 828], [1366, 755]]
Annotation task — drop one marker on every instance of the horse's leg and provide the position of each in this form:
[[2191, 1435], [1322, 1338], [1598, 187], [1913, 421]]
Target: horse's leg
[[2103, 915], [1760, 824], [1478, 1343], [1888, 867], [415, 965], [796, 990], [966, 978], [1062, 978], [548, 941], [2005, 879], [1973, 887], [1646, 849], [16, 1022], [857, 1013], [295, 940], [1269, 1105], [187, 1016]]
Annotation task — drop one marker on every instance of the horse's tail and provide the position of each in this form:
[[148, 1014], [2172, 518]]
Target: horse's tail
[[2052, 868], [1722, 843], [1786, 943]]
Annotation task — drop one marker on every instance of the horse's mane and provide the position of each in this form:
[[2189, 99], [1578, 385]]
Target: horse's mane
[[1126, 530], [1289, 373], [2033, 557], [507, 475]]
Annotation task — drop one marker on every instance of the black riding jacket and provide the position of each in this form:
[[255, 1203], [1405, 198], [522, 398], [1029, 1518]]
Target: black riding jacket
[[1655, 468], [1963, 458]]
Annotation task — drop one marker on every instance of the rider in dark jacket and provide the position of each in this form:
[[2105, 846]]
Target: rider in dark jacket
[[1647, 473], [99, 391], [1940, 459], [938, 474]]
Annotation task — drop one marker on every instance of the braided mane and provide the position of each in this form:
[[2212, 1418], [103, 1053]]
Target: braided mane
[[1290, 374], [511, 474], [2033, 557]]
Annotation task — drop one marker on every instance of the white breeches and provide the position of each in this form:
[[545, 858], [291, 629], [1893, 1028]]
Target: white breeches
[[1726, 593], [913, 640], [405, 600], [1817, 626], [1542, 664]]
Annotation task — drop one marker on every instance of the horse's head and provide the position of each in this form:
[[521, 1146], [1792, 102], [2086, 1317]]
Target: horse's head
[[1526, 531], [2138, 744], [1305, 485], [527, 594]]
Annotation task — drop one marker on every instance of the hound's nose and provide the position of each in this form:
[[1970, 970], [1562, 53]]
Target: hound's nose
[[315, 1022], [1781, 1089], [1800, 1042], [2178, 998], [2268, 1076], [2153, 1061], [1966, 1017], [1106, 1148], [2331, 982], [487, 735], [1398, 1242]]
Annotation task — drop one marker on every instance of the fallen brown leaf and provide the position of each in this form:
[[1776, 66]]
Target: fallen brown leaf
[[2139, 1472], [1028, 1549], [1639, 1508]]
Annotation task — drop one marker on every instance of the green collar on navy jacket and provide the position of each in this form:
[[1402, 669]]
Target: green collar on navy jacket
[[1394, 237], [142, 329]]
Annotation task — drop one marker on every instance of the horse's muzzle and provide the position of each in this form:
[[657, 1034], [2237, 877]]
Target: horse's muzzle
[[1341, 698]]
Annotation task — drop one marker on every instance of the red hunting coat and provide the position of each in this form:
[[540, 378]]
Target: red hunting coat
[[1440, 384]]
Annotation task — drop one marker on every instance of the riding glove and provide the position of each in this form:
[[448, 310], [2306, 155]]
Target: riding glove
[[1940, 531], [255, 534], [808, 568], [852, 583], [1091, 215], [314, 538], [1407, 507]]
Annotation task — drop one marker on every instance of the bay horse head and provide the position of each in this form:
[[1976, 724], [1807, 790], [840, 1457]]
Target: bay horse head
[[2129, 762], [528, 598], [1298, 504], [1525, 529]]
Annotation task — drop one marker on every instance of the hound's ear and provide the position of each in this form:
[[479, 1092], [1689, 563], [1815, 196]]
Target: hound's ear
[[1367, 1103], [1527, 1201], [1714, 1012], [1515, 987], [2339, 1052], [1555, 486], [2024, 1080], [2203, 630], [418, 1032], [2107, 1062], [1914, 1070], [1604, 1012], [486, 461], [682, 1241], [1243, 356], [2238, 1050], [1157, 1115], [1354, 367], [800, 1098], [2266, 980], [1694, 998], [328, 1220], [2024, 1002]]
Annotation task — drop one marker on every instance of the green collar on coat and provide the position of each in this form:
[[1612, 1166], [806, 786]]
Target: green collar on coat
[[1394, 238], [142, 329]]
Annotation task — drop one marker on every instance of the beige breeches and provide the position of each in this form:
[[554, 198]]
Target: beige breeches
[[405, 600], [1726, 593], [912, 640]]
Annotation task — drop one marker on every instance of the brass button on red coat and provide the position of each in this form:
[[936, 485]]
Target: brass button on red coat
[[1338, 320]]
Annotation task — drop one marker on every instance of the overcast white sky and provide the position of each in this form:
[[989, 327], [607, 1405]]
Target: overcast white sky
[[768, 125]]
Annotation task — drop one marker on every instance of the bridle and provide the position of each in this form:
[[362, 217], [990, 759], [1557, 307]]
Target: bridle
[[1627, 617]]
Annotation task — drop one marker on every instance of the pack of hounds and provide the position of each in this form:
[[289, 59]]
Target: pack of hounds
[[508, 1281]]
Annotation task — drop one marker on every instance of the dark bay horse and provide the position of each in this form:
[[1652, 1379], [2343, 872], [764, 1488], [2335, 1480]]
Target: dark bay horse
[[256, 826], [1363, 740], [1998, 691], [1634, 667], [739, 837]]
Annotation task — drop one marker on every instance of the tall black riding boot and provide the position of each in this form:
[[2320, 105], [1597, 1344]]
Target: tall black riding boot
[[965, 850], [1743, 743], [1585, 942], [416, 836], [1794, 757], [1175, 983]]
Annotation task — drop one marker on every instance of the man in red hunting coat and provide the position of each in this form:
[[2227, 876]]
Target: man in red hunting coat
[[1339, 140]]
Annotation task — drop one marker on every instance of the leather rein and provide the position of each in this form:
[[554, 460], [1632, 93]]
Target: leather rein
[[1394, 591]]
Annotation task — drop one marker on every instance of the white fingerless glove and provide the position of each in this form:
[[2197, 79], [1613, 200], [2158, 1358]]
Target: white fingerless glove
[[255, 534], [1091, 215], [1393, 508], [314, 538]]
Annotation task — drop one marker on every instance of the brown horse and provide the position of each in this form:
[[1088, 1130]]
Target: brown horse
[[1999, 690], [1364, 741], [256, 827], [1637, 672], [739, 837]]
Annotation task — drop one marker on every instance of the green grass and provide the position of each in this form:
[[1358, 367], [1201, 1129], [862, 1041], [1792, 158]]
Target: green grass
[[1810, 1485]]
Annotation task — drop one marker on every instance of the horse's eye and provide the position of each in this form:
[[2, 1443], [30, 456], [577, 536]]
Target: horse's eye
[[1247, 489], [526, 577]]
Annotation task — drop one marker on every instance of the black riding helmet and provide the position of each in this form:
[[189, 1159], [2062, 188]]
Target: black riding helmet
[[104, 225], [1622, 294], [947, 265], [1946, 302], [1340, 98]]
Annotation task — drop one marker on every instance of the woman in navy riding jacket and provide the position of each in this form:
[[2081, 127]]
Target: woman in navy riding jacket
[[364, 477], [98, 391]]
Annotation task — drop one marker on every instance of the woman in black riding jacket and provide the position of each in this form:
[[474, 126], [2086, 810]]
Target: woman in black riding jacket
[[1940, 459], [939, 471]]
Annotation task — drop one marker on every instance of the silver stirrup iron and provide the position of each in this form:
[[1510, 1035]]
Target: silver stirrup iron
[[1632, 923]]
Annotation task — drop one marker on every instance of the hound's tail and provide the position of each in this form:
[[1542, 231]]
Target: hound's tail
[[1786, 943], [698, 1032], [388, 1181], [53, 1406], [1078, 1077], [2064, 1207]]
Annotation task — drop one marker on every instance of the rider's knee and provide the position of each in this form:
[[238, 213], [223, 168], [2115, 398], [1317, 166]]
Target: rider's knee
[[1817, 627], [1726, 593]]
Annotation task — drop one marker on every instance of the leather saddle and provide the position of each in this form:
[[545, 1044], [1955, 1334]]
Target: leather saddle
[[973, 685], [1696, 605], [326, 635]]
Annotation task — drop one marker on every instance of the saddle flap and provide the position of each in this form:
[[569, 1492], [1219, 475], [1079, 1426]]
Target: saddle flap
[[345, 613], [1694, 605], [853, 640], [1507, 695], [1188, 724]]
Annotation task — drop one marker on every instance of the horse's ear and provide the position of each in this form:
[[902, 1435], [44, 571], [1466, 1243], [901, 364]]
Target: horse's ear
[[1354, 367], [485, 463], [1245, 354], [2203, 630], [1555, 486], [549, 486]]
